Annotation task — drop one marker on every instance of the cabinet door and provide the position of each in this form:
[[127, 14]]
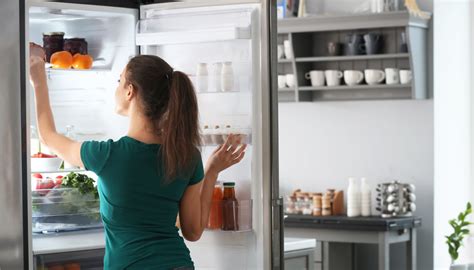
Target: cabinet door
[[299, 260]]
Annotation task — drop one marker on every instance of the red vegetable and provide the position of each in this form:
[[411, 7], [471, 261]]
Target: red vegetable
[[43, 155], [59, 180], [37, 175]]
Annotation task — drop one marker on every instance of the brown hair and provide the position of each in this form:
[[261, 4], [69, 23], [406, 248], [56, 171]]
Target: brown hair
[[169, 101]]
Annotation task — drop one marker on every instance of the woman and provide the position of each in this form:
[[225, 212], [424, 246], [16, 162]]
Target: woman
[[150, 174]]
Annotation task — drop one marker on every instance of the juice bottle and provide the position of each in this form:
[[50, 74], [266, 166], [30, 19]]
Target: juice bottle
[[215, 214], [230, 208]]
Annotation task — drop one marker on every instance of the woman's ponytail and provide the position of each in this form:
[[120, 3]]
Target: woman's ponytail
[[180, 128]]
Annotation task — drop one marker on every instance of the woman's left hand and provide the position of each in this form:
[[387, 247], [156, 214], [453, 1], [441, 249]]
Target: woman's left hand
[[226, 155]]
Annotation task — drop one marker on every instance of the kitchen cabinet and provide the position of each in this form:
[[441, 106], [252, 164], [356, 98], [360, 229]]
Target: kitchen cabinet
[[299, 254]]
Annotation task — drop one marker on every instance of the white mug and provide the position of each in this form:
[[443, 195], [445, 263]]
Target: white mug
[[374, 76], [392, 76], [405, 76], [288, 49], [353, 77], [290, 80], [281, 51], [333, 77], [316, 77], [281, 81]]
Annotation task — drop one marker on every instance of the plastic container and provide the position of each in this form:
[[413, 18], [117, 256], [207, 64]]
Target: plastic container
[[64, 209], [202, 78]]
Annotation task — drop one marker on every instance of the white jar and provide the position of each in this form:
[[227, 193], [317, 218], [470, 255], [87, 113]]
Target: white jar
[[202, 77], [227, 77], [353, 199], [217, 70], [366, 198]]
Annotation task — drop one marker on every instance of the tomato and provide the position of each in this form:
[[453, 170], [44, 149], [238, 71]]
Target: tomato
[[37, 175], [44, 185], [48, 183], [80, 61], [62, 59], [43, 155], [58, 181]]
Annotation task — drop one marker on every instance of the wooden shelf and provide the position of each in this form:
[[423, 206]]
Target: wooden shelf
[[352, 57], [355, 87]]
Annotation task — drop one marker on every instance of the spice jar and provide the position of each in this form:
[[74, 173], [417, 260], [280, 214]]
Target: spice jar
[[299, 205], [290, 205], [326, 205], [317, 204], [75, 45], [52, 42], [307, 205]]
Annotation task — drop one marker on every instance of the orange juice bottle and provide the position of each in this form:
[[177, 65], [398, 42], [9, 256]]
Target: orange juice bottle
[[215, 214]]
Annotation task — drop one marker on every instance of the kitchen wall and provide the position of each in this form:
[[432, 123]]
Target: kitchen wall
[[322, 144]]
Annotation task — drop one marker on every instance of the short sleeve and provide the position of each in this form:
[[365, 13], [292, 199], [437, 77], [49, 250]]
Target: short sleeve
[[198, 173], [94, 154]]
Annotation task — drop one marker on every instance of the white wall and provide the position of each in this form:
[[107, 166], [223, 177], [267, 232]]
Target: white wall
[[321, 144], [452, 106]]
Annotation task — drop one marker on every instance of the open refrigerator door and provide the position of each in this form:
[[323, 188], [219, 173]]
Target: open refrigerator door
[[219, 47]]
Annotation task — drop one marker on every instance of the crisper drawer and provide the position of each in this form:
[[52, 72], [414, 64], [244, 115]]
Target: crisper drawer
[[77, 260], [64, 209]]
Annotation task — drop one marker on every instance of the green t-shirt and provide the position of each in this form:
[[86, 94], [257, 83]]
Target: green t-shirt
[[138, 207]]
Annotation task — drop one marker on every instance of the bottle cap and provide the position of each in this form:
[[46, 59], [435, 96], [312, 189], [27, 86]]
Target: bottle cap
[[229, 184]]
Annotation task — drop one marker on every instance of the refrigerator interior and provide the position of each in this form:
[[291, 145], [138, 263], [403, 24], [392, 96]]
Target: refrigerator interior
[[184, 37]]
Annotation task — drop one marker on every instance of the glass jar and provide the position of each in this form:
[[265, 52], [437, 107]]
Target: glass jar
[[215, 213], [52, 42], [230, 207], [290, 205], [75, 45]]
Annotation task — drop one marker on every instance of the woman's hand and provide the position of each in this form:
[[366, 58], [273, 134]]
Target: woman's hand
[[37, 70], [226, 155]]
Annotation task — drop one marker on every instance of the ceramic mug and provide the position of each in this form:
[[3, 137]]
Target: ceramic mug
[[281, 81], [353, 77], [316, 77], [288, 50], [290, 80], [280, 51], [405, 76], [374, 76], [392, 75], [333, 77]]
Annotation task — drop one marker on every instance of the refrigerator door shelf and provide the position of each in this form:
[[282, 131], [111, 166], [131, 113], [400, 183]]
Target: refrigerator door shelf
[[61, 171], [193, 36]]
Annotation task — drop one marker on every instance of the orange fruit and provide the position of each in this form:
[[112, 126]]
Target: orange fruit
[[62, 59], [82, 61], [72, 266]]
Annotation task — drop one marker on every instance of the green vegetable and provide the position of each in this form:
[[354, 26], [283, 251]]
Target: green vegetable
[[460, 227], [82, 182]]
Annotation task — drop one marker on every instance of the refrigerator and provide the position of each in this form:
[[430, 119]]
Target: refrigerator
[[200, 38]]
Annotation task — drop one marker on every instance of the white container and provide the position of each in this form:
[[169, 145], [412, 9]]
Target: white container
[[216, 134], [217, 70], [45, 164], [353, 199], [366, 198], [288, 50], [227, 77], [202, 78]]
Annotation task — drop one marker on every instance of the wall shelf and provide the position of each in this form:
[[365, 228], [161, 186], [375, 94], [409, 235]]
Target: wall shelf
[[352, 57], [309, 38]]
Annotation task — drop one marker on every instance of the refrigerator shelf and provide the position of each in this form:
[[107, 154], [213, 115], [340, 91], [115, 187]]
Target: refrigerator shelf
[[60, 171], [192, 36]]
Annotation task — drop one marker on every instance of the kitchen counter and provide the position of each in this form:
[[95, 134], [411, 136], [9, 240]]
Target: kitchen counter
[[66, 242], [292, 244]]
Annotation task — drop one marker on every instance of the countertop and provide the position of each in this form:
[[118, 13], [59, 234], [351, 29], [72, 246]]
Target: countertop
[[292, 244]]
